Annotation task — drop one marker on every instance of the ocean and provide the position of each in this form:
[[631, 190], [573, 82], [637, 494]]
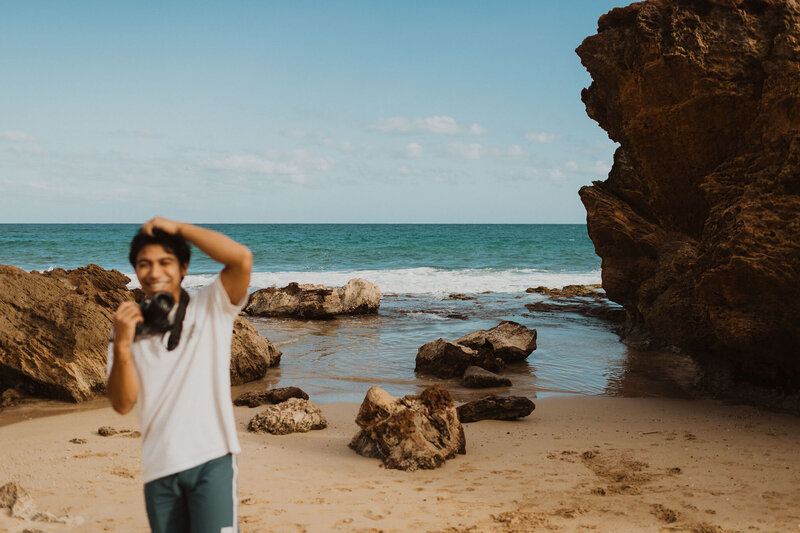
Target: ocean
[[417, 267]]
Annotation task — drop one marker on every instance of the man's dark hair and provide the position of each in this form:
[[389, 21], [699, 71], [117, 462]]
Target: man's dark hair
[[174, 244]]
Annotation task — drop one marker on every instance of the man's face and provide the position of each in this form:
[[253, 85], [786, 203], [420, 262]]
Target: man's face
[[159, 271]]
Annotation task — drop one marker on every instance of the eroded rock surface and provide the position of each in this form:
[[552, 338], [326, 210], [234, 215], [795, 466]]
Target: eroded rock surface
[[20, 505], [251, 354], [55, 326], [494, 407], [698, 221], [508, 341], [416, 431], [446, 359], [357, 297], [295, 415]]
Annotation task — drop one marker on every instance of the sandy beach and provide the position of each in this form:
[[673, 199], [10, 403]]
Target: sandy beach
[[575, 464]]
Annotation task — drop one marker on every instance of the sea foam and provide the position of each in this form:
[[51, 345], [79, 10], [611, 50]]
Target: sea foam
[[422, 280]]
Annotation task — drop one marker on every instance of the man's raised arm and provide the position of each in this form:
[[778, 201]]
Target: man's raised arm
[[237, 258]]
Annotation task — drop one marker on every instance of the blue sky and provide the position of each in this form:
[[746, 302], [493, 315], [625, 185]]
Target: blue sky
[[347, 111]]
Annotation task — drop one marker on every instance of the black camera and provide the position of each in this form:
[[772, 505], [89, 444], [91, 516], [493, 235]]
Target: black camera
[[155, 311]]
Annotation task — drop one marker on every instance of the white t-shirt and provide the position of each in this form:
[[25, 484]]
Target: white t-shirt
[[184, 402]]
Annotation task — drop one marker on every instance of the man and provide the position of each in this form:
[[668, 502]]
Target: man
[[180, 378]]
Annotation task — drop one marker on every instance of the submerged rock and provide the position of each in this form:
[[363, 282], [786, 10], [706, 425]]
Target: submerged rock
[[295, 415], [493, 407], [476, 377], [416, 431], [697, 223], [269, 396], [358, 297], [54, 331]]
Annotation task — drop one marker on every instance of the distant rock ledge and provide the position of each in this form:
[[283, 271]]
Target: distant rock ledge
[[357, 297]]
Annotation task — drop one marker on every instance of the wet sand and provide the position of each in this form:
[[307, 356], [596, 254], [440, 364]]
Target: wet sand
[[577, 463]]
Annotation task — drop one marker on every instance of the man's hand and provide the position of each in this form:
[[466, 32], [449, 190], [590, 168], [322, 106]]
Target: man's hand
[[168, 226], [125, 319]]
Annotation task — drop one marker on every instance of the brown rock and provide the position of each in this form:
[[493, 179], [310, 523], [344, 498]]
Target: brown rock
[[476, 377], [493, 407], [54, 328], [251, 354], [270, 396], [21, 505], [569, 291], [508, 341], [106, 431], [54, 331], [446, 359], [9, 398], [295, 415], [357, 297], [416, 431], [697, 223]]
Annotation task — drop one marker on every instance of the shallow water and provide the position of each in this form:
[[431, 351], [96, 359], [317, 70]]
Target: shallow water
[[340, 359]]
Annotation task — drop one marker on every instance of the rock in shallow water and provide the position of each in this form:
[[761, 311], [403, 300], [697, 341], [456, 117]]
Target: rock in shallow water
[[446, 359], [698, 221], [476, 377], [416, 431], [493, 407], [508, 341], [488, 349], [295, 415], [357, 297]]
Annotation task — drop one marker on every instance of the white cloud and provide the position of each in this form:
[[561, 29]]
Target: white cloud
[[441, 124], [571, 165], [296, 134], [515, 151], [413, 150], [17, 136], [295, 164], [342, 146], [601, 167], [26, 148], [467, 151], [541, 136]]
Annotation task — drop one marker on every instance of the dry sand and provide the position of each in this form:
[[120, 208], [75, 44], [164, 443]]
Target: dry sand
[[576, 464]]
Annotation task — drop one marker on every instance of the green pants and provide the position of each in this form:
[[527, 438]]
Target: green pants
[[198, 500]]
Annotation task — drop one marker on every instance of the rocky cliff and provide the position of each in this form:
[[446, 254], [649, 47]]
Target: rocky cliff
[[55, 326], [698, 223]]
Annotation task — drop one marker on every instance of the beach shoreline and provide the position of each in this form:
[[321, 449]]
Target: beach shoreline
[[577, 463]]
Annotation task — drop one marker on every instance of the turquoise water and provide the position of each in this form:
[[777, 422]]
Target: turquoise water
[[400, 258], [416, 268]]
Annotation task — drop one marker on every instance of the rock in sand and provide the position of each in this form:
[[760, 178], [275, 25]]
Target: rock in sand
[[416, 431], [295, 415], [494, 407]]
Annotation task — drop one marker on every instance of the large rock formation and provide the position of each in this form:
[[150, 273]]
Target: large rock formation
[[698, 224], [357, 297], [54, 331], [416, 431]]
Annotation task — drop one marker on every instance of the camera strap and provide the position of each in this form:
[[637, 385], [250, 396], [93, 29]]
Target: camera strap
[[177, 326]]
